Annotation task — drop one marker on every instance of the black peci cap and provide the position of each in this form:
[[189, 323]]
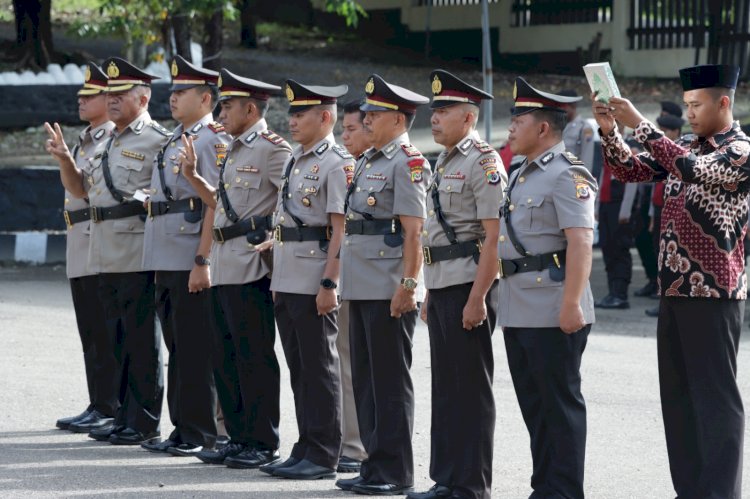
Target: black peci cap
[[672, 108], [670, 122], [709, 76]]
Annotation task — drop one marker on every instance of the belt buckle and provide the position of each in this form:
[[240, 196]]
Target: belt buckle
[[500, 268], [66, 216], [329, 232], [393, 225], [346, 227], [252, 223], [218, 235], [427, 255], [479, 245], [94, 214], [192, 204], [277, 233], [148, 209]]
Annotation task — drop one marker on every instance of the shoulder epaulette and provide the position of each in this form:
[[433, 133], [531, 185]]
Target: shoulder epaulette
[[272, 137], [572, 159], [410, 150], [341, 151], [160, 129], [216, 127], [483, 146]]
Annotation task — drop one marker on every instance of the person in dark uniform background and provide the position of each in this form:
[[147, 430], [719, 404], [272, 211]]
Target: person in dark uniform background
[[102, 372], [381, 259], [545, 306], [460, 246]]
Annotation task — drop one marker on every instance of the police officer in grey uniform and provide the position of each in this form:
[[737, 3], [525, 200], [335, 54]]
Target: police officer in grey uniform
[[460, 255], [580, 137], [98, 350], [247, 372], [546, 306], [116, 248], [176, 246], [308, 235], [381, 259]]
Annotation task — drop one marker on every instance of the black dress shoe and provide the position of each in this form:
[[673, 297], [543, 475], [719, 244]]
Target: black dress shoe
[[612, 302], [652, 312], [270, 468], [64, 423], [348, 483], [436, 492], [348, 465], [222, 440], [251, 458], [381, 489], [159, 447], [102, 434], [647, 290], [219, 455], [94, 420], [129, 436], [305, 470], [185, 450]]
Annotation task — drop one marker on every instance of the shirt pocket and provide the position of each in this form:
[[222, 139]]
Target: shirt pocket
[[379, 251], [451, 194], [242, 187], [176, 224], [127, 173], [128, 226], [310, 252], [532, 280], [532, 208]]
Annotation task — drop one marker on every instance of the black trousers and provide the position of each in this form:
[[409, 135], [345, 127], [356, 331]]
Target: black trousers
[[643, 238], [463, 406], [191, 394], [309, 342], [381, 358], [704, 419], [102, 370], [128, 300], [545, 367], [615, 240], [246, 370]]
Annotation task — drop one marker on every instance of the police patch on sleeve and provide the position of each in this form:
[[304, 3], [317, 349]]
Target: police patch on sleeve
[[582, 190], [415, 170]]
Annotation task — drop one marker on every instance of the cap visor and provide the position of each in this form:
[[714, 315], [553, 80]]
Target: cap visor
[[119, 88], [182, 86], [298, 109], [90, 91], [371, 107], [435, 104]]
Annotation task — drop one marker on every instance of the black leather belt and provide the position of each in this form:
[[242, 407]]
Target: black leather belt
[[124, 210], [156, 208], [376, 227], [535, 263], [434, 254], [319, 233], [76, 216], [242, 227]]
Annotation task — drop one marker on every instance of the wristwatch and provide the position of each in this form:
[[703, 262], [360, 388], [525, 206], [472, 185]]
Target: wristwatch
[[328, 284], [201, 260], [409, 283]]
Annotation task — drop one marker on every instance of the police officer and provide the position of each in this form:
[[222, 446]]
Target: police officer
[[381, 260], [546, 307], [579, 135], [176, 246], [460, 256], [116, 248], [308, 234], [98, 349], [246, 369]]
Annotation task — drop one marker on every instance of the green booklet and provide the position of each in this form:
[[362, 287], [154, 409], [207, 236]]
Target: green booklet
[[601, 80]]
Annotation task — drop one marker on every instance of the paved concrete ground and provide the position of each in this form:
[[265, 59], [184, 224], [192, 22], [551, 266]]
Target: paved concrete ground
[[41, 379]]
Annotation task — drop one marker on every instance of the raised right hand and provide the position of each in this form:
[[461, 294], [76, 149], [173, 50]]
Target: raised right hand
[[55, 145], [603, 115]]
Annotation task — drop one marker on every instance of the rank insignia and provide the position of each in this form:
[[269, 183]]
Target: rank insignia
[[371, 201], [306, 200], [247, 169], [312, 177], [465, 145], [483, 146], [271, 137], [216, 127], [251, 137], [547, 158], [98, 135], [572, 159], [322, 148], [376, 176], [454, 176], [315, 168], [389, 149], [341, 151], [196, 128], [415, 170], [582, 191], [410, 150], [138, 127], [133, 155]]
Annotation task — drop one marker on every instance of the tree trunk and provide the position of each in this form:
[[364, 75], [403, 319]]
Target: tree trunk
[[248, 22], [181, 28], [212, 47], [33, 32]]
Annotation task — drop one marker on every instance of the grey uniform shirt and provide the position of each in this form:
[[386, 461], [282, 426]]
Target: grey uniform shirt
[[171, 241], [252, 176], [470, 180], [395, 177], [580, 139], [550, 195], [91, 143], [117, 245], [317, 187]]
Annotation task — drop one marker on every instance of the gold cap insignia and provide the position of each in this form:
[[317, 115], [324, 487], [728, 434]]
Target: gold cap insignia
[[437, 85], [219, 82], [515, 91], [175, 70], [289, 93], [112, 70], [370, 87], [87, 74]]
